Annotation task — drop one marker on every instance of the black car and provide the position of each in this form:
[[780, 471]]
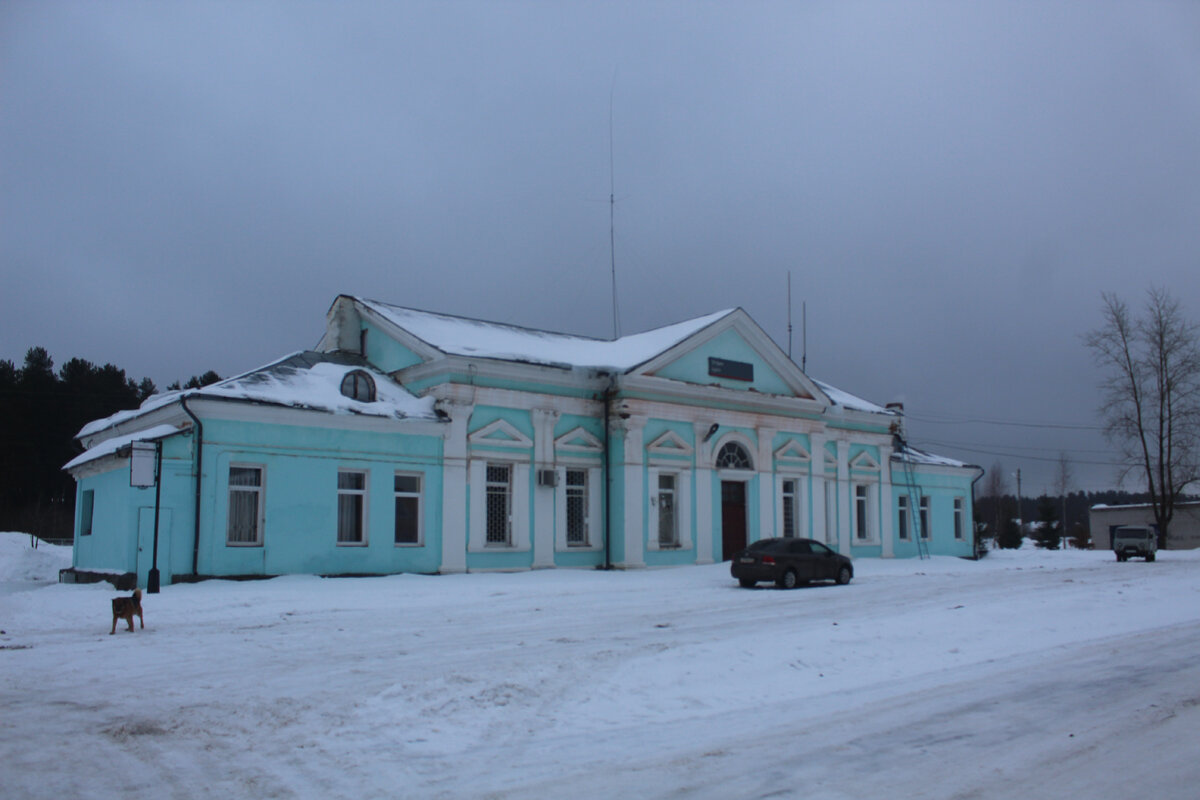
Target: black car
[[789, 562]]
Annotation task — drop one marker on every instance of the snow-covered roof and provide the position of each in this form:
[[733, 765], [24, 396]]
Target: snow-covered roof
[[110, 446], [916, 456], [471, 337], [847, 400], [306, 380]]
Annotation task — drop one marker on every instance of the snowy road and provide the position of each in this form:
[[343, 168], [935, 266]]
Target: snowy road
[[1025, 675]]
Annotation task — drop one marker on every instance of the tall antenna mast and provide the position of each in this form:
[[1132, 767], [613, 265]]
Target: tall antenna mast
[[789, 302], [612, 202], [804, 337]]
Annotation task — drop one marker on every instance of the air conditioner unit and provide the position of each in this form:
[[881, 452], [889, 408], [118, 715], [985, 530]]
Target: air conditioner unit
[[547, 477]]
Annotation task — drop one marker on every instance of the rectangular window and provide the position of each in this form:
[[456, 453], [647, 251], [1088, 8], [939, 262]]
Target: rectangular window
[[789, 508], [499, 504], [862, 516], [245, 506], [407, 489], [577, 508], [351, 507], [958, 518], [668, 523], [86, 502], [902, 508], [924, 512]]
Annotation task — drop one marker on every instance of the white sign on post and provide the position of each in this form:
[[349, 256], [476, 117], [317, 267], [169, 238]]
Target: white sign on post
[[142, 464]]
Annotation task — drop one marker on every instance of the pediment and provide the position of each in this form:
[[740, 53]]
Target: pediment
[[500, 433], [793, 451], [578, 440], [863, 461], [669, 444], [733, 353]]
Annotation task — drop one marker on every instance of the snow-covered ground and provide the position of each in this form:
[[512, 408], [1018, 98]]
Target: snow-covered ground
[[1025, 675]]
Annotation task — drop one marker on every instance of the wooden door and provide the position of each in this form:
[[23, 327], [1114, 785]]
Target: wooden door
[[733, 518]]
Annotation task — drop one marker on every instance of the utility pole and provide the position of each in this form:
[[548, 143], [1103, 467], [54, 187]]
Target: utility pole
[[1020, 523]]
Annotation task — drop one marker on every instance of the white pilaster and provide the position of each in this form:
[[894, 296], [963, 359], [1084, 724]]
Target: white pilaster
[[454, 488], [704, 524], [632, 462], [543, 496], [845, 510], [817, 467], [765, 464]]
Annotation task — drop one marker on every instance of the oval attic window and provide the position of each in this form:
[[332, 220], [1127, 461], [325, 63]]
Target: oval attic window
[[357, 385]]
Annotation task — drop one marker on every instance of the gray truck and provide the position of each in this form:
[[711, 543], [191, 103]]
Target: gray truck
[[1134, 541]]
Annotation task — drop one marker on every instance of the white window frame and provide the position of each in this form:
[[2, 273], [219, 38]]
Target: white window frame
[[419, 494], [518, 508], [683, 508], [796, 501], [87, 512], [259, 491], [924, 509], [593, 501], [363, 495], [960, 528], [903, 519], [870, 506]]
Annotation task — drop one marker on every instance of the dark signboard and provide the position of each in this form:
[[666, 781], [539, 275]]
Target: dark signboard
[[735, 370]]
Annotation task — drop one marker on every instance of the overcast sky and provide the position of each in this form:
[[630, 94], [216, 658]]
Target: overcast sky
[[187, 186]]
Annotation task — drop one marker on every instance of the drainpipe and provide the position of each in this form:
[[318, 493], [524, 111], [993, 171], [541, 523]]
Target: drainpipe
[[608, 396], [974, 543], [199, 464]]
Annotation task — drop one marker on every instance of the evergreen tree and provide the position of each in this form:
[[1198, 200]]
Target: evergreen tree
[[1048, 535], [1010, 535]]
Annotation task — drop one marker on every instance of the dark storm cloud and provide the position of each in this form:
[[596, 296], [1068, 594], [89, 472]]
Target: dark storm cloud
[[187, 186]]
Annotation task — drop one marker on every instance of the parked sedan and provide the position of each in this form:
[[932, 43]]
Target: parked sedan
[[789, 562]]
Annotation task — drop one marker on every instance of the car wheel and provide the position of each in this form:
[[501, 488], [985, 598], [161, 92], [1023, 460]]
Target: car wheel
[[788, 580], [843, 576], [747, 583]]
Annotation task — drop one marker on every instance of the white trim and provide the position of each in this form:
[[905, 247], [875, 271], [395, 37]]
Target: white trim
[[364, 493], [518, 504], [420, 495], [595, 533], [871, 510], [683, 507], [792, 453], [589, 444], [799, 506], [747, 444], [758, 341], [514, 437], [669, 443], [262, 502], [864, 461]]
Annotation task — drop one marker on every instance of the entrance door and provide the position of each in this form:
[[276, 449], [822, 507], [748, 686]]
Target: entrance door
[[733, 518]]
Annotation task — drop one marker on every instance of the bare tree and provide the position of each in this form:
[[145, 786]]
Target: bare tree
[[995, 487], [1062, 484], [1151, 403]]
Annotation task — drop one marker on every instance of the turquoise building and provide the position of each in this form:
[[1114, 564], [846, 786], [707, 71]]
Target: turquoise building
[[409, 441]]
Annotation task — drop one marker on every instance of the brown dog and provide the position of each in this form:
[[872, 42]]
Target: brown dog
[[125, 608]]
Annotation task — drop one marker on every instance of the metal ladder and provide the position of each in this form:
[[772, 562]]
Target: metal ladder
[[914, 498]]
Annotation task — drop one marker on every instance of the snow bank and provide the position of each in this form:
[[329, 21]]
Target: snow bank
[[19, 561], [1007, 678]]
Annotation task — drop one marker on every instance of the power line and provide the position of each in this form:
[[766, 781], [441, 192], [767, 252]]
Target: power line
[[1022, 455], [1005, 422]]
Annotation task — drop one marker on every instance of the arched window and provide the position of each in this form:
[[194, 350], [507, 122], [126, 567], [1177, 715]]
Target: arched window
[[733, 456], [357, 385]]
